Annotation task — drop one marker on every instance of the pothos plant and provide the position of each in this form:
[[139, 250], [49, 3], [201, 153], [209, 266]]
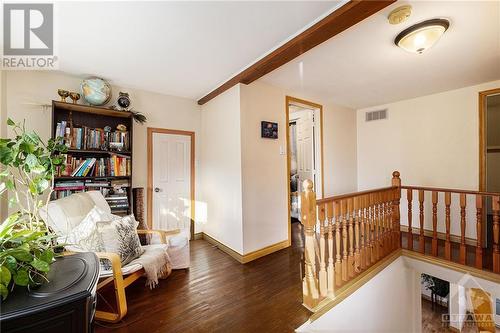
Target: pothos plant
[[27, 173]]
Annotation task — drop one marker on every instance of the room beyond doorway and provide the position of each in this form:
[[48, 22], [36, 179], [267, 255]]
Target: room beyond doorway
[[304, 137]]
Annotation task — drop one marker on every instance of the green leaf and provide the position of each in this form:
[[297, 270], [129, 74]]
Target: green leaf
[[47, 256], [9, 184], [21, 278], [8, 224], [11, 263], [6, 156], [21, 254], [40, 265], [4, 275], [42, 185], [31, 160], [4, 292], [10, 122]]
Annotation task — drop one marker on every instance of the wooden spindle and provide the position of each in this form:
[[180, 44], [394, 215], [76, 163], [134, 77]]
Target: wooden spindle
[[496, 236], [377, 226], [434, 224], [308, 210], [479, 231], [421, 238], [409, 197], [447, 242], [343, 213], [373, 256], [338, 258], [322, 252], [395, 211], [350, 259], [463, 200], [362, 234], [368, 250], [391, 223], [385, 223], [330, 269], [357, 254]]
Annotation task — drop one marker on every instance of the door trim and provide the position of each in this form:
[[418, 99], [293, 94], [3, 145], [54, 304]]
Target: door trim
[[152, 130], [482, 135], [288, 100]]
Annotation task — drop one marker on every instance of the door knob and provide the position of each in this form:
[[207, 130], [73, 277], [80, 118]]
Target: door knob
[[157, 189]]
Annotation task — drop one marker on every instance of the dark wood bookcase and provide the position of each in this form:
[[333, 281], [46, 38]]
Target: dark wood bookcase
[[92, 117]]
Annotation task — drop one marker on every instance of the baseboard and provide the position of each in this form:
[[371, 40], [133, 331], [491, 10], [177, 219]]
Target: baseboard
[[428, 298], [246, 258], [198, 236], [440, 235]]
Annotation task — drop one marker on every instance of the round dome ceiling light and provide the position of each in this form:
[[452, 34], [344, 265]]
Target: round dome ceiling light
[[422, 36]]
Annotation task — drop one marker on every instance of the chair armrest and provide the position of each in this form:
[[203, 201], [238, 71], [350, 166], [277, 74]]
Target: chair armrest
[[116, 264], [162, 233]]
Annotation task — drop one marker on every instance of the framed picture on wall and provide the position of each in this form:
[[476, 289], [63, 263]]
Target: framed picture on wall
[[268, 130]]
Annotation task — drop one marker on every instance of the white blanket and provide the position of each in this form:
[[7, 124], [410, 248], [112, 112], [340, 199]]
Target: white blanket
[[156, 263]]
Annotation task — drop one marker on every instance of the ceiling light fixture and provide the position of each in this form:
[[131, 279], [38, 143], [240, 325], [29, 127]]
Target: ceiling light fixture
[[420, 37]]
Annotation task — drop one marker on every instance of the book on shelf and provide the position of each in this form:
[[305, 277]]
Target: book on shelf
[[87, 138], [114, 166]]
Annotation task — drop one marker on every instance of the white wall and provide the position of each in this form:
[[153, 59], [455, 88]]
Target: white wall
[[385, 303], [25, 87], [432, 140], [222, 168]]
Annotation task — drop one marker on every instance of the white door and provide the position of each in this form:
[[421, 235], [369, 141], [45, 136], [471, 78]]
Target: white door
[[171, 181], [305, 148]]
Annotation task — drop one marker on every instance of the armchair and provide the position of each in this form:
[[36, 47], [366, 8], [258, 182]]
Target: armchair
[[65, 214]]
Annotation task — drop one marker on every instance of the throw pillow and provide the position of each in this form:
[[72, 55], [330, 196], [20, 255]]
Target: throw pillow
[[84, 236], [120, 236]]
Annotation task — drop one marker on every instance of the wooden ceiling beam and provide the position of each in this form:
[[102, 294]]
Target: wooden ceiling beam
[[341, 19]]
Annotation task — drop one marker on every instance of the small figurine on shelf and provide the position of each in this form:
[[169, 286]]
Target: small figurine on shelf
[[123, 101], [63, 93], [121, 128], [74, 96]]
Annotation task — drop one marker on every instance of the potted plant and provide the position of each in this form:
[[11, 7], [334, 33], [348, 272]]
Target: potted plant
[[27, 173]]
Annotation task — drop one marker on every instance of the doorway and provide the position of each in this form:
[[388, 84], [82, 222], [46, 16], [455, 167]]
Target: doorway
[[171, 180], [489, 155], [304, 121]]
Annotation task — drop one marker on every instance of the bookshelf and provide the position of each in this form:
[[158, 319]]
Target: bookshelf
[[97, 159]]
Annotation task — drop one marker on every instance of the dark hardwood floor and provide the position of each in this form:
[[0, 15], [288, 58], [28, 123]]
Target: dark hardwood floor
[[218, 294]]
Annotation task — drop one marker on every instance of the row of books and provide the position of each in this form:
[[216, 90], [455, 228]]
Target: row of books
[[87, 138], [114, 191], [116, 165]]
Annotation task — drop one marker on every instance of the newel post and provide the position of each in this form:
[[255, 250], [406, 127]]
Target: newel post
[[308, 220], [396, 182]]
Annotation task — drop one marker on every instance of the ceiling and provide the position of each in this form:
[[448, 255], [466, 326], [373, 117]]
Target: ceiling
[[362, 67], [184, 49]]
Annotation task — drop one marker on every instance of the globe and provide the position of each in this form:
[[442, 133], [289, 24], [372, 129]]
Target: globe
[[95, 91]]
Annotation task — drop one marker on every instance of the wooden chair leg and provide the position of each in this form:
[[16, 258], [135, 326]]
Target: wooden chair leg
[[119, 286]]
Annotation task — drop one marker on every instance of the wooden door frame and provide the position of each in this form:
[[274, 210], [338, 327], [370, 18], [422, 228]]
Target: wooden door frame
[[152, 130], [288, 101], [482, 135]]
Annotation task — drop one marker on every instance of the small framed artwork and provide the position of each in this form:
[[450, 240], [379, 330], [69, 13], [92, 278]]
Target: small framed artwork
[[268, 130]]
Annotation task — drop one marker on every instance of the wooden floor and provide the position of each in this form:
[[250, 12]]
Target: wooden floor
[[218, 294], [432, 320]]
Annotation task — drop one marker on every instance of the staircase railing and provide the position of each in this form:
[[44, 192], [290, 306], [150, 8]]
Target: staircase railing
[[347, 234], [355, 231]]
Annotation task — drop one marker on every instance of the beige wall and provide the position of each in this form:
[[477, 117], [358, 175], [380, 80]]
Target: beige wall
[[265, 181], [432, 140], [265, 206], [221, 197], [3, 133], [26, 87]]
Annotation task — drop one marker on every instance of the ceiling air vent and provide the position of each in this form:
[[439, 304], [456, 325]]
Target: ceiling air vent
[[376, 115]]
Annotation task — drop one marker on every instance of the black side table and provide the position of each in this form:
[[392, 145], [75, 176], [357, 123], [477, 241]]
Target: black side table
[[65, 304]]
